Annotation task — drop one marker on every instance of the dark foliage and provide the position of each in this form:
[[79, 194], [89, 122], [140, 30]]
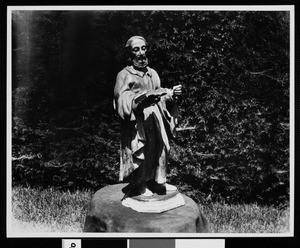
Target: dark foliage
[[234, 68]]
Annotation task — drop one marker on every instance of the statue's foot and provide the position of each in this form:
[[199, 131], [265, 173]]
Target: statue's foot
[[157, 188], [170, 187], [147, 193], [136, 189]]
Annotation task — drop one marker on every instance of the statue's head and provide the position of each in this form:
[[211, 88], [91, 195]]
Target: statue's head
[[137, 48]]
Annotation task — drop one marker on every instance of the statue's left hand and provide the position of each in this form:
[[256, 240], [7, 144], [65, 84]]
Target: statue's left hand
[[177, 90]]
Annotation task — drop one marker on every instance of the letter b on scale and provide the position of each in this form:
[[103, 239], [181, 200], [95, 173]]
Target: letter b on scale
[[71, 243]]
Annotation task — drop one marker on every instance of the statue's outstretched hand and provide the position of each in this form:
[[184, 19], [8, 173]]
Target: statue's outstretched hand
[[177, 90]]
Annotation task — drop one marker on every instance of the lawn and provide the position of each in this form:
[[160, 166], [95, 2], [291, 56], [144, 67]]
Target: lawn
[[51, 210]]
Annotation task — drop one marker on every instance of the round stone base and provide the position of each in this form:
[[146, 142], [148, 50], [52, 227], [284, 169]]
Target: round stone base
[[107, 214]]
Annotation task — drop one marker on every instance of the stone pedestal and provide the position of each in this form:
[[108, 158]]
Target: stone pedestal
[[107, 214]]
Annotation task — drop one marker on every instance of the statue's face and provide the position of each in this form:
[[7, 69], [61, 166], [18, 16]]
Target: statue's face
[[138, 47], [138, 50]]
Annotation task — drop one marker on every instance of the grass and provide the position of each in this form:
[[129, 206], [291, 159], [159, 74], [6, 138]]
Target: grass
[[246, 218], [51, 210]]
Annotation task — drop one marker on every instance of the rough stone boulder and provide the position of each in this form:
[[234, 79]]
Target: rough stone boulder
[[107, 214]]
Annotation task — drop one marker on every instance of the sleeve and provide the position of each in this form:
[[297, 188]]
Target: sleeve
[[155, 80], [123, 97]]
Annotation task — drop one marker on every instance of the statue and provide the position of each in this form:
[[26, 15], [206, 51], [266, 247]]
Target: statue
[[148, 118]]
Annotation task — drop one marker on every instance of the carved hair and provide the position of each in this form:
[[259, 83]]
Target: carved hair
[[130, 40]]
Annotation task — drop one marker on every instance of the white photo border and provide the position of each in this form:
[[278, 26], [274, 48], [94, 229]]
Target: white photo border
[[10, 232]]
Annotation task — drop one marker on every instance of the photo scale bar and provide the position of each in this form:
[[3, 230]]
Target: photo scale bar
[[143, 243], [94, 243], [177, 243]]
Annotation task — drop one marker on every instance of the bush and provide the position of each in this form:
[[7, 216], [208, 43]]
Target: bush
[[234, 68]]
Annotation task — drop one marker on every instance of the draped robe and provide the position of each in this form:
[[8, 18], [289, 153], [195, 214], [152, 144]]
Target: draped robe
[[145, 132]]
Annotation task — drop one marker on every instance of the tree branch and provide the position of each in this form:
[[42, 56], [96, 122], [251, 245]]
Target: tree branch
[[185, 128], [263, 73], [207, 155], [23, 157]]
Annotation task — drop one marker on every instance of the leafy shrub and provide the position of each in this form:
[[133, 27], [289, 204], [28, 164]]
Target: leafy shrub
[[234, 68]]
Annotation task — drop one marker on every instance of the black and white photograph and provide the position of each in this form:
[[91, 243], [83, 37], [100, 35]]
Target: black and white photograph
[[150, 121]]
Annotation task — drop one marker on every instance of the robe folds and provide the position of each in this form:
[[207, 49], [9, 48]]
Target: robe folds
[[145, 132]]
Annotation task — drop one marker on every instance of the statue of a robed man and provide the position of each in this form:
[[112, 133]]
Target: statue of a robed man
[[148, 119], [144, 202]]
